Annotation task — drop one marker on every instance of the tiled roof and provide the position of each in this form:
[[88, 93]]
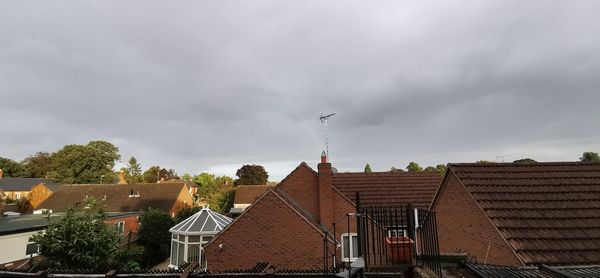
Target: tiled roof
[[117, 197], [24, 184], [247, 194], [384, 188], [548, 212], [541, 271]]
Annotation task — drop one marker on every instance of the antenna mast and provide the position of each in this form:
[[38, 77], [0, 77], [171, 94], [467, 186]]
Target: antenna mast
[[324, 122]]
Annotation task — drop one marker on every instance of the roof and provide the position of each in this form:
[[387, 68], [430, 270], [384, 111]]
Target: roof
[[25, 184], [548, 212], [384, 188], [35, 222], [117, 197], [543, 271], [247, 194], [202, 222]]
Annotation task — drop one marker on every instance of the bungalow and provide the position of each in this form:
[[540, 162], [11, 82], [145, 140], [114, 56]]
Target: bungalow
[[521, 214], [168, 197], [286, 226], [16, 233], [36, 189], [245, 195]]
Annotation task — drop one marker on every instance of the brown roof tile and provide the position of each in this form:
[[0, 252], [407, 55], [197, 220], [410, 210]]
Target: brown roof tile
[[384, 188], [117, 197], [549, 212], [247, 194]]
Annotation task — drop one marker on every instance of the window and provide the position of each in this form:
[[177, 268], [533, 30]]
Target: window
[[349, 246], [32, 248], [120, 225]]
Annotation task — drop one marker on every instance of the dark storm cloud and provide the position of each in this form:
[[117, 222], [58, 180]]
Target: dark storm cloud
[[213, 85]]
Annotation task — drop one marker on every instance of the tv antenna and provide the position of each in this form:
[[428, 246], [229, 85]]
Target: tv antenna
[[324, 119]]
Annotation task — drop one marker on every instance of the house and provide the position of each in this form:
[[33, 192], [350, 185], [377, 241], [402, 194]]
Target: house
[[521, 214], [36, 189], [16, 233], [286, 226], [245, 195], [168, 197]]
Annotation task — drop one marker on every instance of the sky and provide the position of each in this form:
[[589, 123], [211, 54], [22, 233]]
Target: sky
[[213, 85]]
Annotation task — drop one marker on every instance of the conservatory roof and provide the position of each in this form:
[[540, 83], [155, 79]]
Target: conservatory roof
[[205, 221]]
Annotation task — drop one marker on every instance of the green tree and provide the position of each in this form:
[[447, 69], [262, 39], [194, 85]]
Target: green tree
[[441, 168], [414, 167], [394, 169], [589, 156], [524, 160], [80, 239], [37, 165], [368, 168], [430, 169], [154, 235], [224, 181], [226, 200], [89, 163], [11, 168], [251, 175], [24, 205], [133, 171], [151, 175], [184, 213]]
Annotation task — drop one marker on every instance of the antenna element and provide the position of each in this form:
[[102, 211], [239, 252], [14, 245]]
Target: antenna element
[[324, 122]]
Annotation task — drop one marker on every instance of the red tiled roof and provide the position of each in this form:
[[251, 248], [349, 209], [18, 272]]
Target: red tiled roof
[[548, 212], [384, 188], [247, 194]]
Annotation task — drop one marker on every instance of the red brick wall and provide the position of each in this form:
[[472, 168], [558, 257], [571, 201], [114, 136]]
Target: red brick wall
[[183, 200], [303, 185], [463, 226], [269, 231], [131, 223]]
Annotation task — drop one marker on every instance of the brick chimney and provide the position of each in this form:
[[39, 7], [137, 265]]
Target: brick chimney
[[325, 192], [122, 177], [1, 172]]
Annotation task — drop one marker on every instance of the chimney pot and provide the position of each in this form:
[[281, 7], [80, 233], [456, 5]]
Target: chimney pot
[[122, 177], [1, 173]]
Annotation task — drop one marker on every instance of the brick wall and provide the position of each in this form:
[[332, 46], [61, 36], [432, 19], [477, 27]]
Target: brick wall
[[303, 185], [38, 194], [269, 231], [183, 200], [131, 223], [463, 226]]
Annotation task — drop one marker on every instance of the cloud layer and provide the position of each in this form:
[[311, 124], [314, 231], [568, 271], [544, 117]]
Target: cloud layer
[[199, 85]]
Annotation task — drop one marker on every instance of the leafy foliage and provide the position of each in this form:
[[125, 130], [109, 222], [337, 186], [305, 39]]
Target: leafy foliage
[[11, 168], [590, 157], [251, 174], [368, 168], [414, 167], [155, 174], [394, 169], [84, 163], [82, 240], [133, 171], [214, 191], [37, 165], [186, 212], [154, 236], [24, 205], [226, 200]]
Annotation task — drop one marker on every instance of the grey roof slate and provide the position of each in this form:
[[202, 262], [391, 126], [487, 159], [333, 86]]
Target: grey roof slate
[[204, 221], [25, 184]]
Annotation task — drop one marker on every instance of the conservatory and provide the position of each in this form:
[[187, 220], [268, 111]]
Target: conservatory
[[190, 235]]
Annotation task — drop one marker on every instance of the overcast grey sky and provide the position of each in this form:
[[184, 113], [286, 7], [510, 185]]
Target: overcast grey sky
[[211, 85]]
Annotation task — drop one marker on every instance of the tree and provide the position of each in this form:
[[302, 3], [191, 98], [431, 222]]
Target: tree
[[133, 171], [185, 213], [224, 181], [441, 168], [24, 205], [226, 200], [394, 169], [89, 163], [589, 156], [37, 165], [430, 169], [251, 174], [414, 167], [368, 168], [151, 175], [524, 160], [154, 235], [11, 168], [80, 239]]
